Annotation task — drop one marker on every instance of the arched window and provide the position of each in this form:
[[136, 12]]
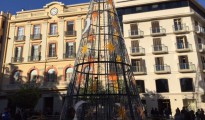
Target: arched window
[[51, 77], [68, 74], [33, 76], [140, 86], [186, 84], [162, 85], [16, 77]]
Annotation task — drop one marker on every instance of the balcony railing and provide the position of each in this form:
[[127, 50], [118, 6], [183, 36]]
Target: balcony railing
[[54, 85], [139, 70], [186, 67], [156, 31], [68, 55], [200, 30], [70, 33], [52, 55], [158, 49], [34, 58], [135, 33], [183, 47], [180, 28], [162, 69], [17, 59], [53, 34], [36, 36], [19, 38], [137, 51]]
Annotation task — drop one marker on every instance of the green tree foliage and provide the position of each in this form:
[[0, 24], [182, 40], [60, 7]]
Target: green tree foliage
[[26, 97]]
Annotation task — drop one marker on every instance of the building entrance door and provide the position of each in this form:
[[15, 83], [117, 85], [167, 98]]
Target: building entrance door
[[48, 105], [164, 105]]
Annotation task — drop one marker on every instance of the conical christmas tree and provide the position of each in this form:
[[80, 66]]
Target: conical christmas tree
[[102, 86]]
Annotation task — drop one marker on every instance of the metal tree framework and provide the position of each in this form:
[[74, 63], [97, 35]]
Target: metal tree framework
[[102, 86]]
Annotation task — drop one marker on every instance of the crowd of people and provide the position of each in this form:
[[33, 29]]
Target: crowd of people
[[186, 114]]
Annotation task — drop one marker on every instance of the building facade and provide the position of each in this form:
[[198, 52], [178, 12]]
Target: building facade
[[4, 17], [41, 49], [165, 40]]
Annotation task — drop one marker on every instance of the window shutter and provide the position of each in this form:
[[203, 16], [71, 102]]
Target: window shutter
[[50, 49], [39, 50], [20, 51], [74, 48], [16, 52], [32, 50]]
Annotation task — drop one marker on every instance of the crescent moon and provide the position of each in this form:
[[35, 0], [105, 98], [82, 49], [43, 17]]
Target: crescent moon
[[88, 22]]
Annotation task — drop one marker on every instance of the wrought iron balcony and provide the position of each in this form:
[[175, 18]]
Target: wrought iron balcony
[[136, 33], [162, 69], [159, 49], [53, 34], [70, 33], [68, 55], [186, 67], [34, 58], [52, 55], [17, 59], [20, 38], [157, 31], [36, 36], [49, 85], [201, 48], [137, 51], [180, 28], [200, 30], [183, 47], [139, 70]]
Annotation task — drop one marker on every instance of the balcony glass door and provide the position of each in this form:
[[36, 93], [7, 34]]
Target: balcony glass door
[[178, 24], [70, 28], [53, 29], [69, 49], [18, 54], [155, 27], [35, 52], [157, 44], [182, 42], [159, 61], [134, 29], [183, 62], [135, 46]]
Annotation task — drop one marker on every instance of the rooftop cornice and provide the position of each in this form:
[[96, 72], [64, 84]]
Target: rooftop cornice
[[51, 3]]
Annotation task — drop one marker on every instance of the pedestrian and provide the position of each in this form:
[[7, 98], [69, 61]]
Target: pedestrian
[[6, 115], [202, 114], [198, 114], [152, 112], [177, 115]]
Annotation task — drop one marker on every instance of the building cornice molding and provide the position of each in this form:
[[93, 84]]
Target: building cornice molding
[[51, 3], [158, 17], [72, 14], [29, 19]]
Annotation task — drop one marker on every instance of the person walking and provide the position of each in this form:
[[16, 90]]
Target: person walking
[[202, 114], [198, 114], [177, 115]]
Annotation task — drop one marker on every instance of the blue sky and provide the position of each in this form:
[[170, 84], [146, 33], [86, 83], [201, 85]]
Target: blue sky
[[16, 5]]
